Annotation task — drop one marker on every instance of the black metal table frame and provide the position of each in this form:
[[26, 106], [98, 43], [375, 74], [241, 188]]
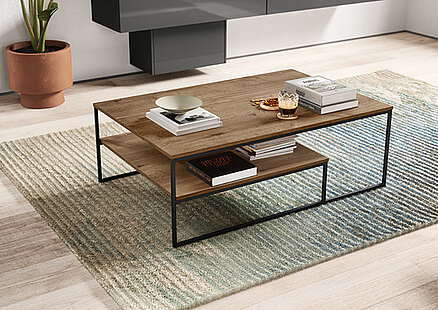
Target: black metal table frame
[[175, 201]]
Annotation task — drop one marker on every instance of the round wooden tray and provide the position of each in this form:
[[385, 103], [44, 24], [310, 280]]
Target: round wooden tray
[[268, 108]]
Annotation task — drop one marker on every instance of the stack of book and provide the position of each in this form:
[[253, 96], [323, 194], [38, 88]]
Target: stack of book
[[267, 149], [181, 124], [322, 95]]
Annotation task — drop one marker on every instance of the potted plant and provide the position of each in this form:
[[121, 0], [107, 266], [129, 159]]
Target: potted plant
[[39, 69]]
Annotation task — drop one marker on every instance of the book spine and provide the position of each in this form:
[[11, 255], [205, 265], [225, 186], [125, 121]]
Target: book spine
[[276, 147], [245, 154], [162, 125], [249, 149], [310, 107], [199, 173], [161, 121]]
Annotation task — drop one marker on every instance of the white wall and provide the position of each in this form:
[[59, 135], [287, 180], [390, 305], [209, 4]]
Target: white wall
[[287, 30], [422, 17], [99, 52]]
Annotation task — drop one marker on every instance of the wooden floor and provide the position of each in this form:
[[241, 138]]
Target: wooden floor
[[37, 271]]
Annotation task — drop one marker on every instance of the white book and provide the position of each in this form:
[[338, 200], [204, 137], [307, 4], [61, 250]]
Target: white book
[[288, 150], [270, 145], [192, 119], [275, 148], [184, 131], [235, 176], [330, 108], [159, 121], [320, 90]]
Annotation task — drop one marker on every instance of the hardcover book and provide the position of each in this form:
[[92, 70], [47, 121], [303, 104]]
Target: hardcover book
[[271, 145], [328, 109], [221, 168], [252, 156], [320, 90], [192, 121]]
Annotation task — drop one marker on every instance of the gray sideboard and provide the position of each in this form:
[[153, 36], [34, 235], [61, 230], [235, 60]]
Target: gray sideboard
[[174, 35]]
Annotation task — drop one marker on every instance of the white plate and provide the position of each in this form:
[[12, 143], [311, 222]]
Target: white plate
[[178, 104]]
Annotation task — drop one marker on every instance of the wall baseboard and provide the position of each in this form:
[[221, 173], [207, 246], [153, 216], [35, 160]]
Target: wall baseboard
[[421, 34], [6, 93]]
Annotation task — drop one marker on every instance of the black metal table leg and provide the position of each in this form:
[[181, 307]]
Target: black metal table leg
[[98, 145], [100, 177], [386, 156], [385, 165], [173, 203], [324, 183]]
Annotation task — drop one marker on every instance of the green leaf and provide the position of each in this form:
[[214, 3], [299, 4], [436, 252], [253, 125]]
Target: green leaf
[[28, 26], [36, 22], [47, 13], [41, 4]]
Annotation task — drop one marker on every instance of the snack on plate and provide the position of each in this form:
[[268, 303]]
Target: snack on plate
[[270, 102]]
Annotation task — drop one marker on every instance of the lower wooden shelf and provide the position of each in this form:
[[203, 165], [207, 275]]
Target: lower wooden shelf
[[156, 167]]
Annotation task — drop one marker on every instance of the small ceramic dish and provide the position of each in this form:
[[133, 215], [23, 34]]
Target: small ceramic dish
[[178, 104]]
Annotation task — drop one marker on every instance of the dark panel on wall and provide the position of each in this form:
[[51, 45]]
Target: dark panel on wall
[[178, 48], [186, 47], [140, 50], [278, 6], [106, 12], [153, 14]]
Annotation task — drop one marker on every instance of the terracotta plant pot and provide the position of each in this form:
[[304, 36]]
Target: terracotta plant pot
[[41, 78]]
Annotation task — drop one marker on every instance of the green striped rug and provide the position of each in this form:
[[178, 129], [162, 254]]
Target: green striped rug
[[120, 230]]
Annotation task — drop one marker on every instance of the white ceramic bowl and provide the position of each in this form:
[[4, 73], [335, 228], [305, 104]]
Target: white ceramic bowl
[[178, 104]]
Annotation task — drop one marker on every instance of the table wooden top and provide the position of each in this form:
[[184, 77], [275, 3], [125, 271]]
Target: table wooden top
[[229, 100]]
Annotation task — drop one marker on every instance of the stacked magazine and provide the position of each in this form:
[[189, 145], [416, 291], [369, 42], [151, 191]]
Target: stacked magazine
[[322, 95], [181, 124], [267, 149]]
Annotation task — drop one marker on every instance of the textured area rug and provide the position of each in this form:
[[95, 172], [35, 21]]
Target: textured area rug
[[120, 230]]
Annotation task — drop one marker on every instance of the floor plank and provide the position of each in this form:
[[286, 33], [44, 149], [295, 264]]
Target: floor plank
[[424, 297], [12, 202], [47, 276], [85, 295]]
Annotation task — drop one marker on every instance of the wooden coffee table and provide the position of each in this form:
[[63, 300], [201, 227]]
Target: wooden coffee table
[[160, 156]]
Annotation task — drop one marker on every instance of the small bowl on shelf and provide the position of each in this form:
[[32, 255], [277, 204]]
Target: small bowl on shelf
[[178, 104]]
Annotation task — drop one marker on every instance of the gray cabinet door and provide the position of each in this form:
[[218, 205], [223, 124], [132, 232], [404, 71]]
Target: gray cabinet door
[[136, 15], [174, 49], [279, 6], [188, 47]]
